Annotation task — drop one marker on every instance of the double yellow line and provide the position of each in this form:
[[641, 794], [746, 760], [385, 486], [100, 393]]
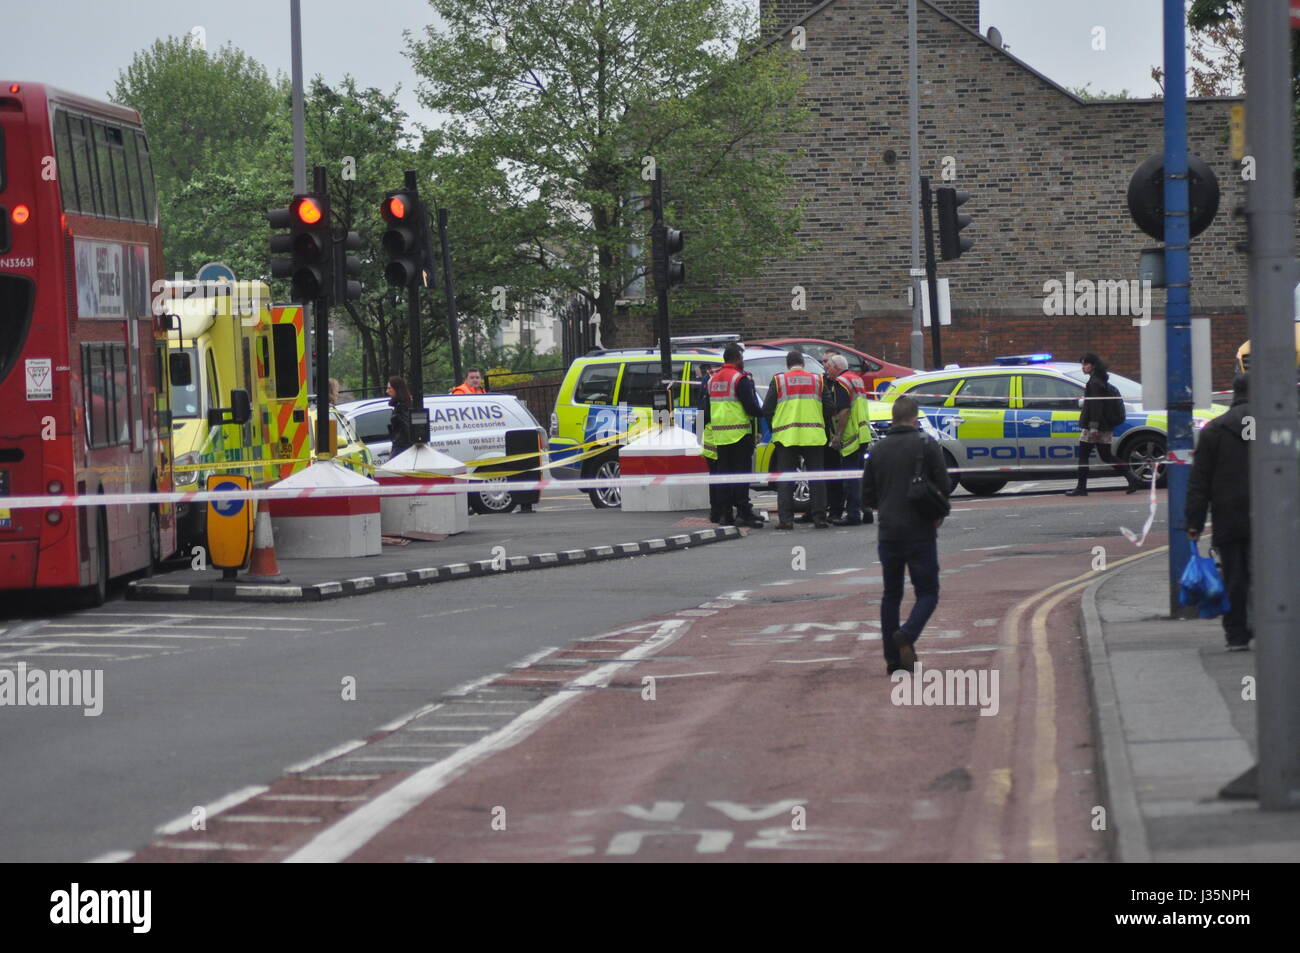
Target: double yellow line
[[993, 790]]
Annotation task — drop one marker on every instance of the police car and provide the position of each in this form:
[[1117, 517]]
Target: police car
[[1019, 417]]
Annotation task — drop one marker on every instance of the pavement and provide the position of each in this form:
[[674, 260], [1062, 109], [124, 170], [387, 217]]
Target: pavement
[[493, 544], [1174, 717]]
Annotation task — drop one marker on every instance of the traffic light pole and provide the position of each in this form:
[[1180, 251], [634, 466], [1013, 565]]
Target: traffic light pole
[[416, 382], [453, 330], [1178, 321], [1275, 510], [931, 270], [321, 311], [659, 253]]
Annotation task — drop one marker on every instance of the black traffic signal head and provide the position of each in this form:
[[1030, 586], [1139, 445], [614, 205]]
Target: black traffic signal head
[[669, 272], [308, 242], [347, 268], [404, 239], [951, 244]]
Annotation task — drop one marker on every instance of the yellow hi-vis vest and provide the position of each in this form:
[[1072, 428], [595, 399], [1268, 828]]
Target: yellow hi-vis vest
[[798, 421], [857, 431], [708, 449], [727, 416]]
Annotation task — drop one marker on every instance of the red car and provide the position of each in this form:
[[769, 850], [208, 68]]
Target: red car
[[873, 369]]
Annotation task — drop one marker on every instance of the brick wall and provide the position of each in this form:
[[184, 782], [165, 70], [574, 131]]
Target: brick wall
[[1046, 172]]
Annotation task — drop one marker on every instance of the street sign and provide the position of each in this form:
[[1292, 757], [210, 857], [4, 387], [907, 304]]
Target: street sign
[[230, 525], [215, 271]]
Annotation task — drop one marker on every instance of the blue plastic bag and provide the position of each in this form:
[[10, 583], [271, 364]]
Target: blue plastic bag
[[1201, 584]]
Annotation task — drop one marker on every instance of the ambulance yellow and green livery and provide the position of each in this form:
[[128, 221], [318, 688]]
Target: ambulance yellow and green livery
[[1018, 419]]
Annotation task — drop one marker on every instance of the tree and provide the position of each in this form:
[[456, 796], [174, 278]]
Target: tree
[[1085, 92], [218, 139], [559, 109]]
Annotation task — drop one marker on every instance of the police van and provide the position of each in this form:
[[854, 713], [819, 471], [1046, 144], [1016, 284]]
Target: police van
[[472, 428], [1019, 418]]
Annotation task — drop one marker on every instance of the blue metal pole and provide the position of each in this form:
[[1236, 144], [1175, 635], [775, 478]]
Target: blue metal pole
[[1178, 319]]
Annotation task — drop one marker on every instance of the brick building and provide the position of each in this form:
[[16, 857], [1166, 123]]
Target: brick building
[[1047, 173]]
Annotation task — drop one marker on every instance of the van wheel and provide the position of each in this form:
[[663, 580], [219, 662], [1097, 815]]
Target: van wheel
[[492, 501], [981, 486], [607, 497]]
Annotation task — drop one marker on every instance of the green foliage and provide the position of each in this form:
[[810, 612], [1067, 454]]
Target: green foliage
[[1086, 92], [557, 108]]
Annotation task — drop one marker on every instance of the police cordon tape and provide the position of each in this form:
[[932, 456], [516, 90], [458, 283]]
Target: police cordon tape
[[445, 485]]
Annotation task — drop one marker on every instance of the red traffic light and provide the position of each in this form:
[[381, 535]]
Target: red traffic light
[[396, 207], [307, 210]]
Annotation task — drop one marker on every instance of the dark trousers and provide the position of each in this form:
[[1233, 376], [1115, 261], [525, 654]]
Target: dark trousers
[[921, 560], [735, 457], [787, 459], [1104, 455], [715, 510], [844, 497], [1235, 557]]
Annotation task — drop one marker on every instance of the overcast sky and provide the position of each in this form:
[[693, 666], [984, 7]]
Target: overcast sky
[[81, 45]]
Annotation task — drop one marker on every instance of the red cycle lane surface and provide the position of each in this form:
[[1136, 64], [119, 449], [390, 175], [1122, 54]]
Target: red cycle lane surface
[[770, 732]]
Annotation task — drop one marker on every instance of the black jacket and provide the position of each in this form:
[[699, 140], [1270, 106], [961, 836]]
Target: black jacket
[[399, 428], [1091, 415], [886, 475], [1220, 478]]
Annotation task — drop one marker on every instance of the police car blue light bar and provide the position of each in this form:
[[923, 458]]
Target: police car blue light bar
[[1023, 359]]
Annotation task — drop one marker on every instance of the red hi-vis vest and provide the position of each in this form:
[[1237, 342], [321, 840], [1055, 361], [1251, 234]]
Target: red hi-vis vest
[[798, 421], [727, 416]]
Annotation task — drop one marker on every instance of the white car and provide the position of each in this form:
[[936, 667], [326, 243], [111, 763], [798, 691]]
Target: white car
[[472, 428]]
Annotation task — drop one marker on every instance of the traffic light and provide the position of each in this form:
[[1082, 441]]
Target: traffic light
[[951, 244], [308, 242], [669, 272], [404, 240], [347, 268]]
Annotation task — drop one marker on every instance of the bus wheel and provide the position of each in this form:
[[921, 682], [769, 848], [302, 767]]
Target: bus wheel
[[155, 542], [96, 594]]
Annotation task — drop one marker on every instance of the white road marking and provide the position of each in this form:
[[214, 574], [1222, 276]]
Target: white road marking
[[782, 582], [841, 572], [685, 675], [211, 845], [324, 756], [349, 834], [269, 819], [806, 661], [739, 595], [537, 656], [985, 549], [182, 823], [226, 618], [313, 797], [112, 857], [341, 777], [475, 684]]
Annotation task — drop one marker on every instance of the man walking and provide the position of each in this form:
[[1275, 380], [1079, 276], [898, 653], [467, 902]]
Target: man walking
[[1103, 411], [1220, 483], [850, 433], [797, 402], [730, 408], [907, 540]]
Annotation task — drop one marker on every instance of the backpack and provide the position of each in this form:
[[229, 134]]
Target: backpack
[[1113, 412]]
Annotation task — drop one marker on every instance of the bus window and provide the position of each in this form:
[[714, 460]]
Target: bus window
[[65, 167], [121, 402], [184, 390], [16, 297], [146, 174], [103, 156], [83, 167]]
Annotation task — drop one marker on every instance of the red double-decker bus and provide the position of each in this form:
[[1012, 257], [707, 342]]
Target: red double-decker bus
[[81, 408]]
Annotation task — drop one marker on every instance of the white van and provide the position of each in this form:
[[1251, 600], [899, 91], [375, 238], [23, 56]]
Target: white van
[[467, 427]]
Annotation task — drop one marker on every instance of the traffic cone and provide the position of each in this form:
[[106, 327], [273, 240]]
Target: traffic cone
[[262, 566]]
